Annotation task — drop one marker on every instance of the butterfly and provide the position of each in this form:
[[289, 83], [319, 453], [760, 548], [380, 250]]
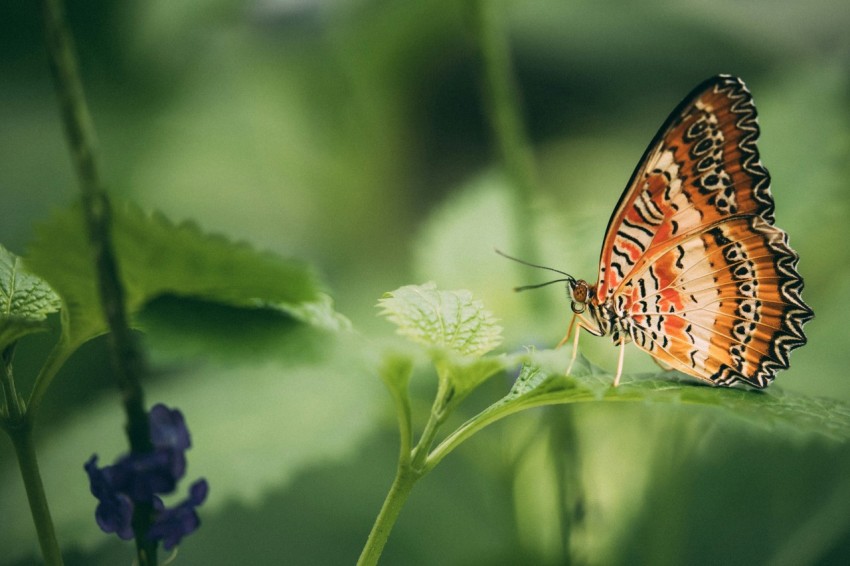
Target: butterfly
[[693, 269]]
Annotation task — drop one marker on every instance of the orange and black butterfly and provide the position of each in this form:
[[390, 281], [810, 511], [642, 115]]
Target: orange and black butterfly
[[693, 269]]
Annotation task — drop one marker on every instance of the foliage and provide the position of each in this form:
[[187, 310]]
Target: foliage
[[25, 300], [158, 257], [421, 315], [450, 321], [354, 138]]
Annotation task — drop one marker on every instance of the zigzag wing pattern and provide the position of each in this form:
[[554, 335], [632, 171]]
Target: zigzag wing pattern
[[702, 167], [692, 266], [723, 305]]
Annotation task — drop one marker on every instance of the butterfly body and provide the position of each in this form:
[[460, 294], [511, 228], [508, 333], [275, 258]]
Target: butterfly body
[[692, 269]]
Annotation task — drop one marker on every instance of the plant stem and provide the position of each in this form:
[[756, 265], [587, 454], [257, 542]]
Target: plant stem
[[408, 472], [420, 452], [126, 356], [25, 451], [516, 152], [490, 415], [18, 424], [395, 372], [55, 360], [96, 207], [402, 485], [501, 101], [15, 411]]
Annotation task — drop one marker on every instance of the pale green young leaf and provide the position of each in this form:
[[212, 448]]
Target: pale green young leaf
[[448, 320], [25, 300], [157, 257]]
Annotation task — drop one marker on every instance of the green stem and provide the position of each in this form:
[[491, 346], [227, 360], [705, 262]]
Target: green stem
[[567, 462], [494, 413], [55, 360], [409, 470], [126, 356], [501, 101], [395, 372], [18, 424], [439, 411], [25, 451], [419, 453], [14, 408], [399, 491], [518, 158]]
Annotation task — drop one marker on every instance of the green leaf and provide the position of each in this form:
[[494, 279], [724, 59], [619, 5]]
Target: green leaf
[[178, 329], [157, 257], [457, 330], [766, 409], [25, 300], [318, 312], [770, 410], [446, 320]]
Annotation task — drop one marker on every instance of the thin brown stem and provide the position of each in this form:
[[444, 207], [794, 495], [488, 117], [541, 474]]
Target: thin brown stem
[[126, 356]]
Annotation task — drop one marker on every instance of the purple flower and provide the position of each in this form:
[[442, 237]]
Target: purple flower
[[173, 524], [141, 478], [115, 510], [168, 429]]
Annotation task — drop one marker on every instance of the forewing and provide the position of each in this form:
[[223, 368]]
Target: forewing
[[700, 169]]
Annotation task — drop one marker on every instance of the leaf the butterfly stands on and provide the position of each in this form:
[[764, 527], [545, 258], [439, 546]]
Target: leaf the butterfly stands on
[[692, 268]]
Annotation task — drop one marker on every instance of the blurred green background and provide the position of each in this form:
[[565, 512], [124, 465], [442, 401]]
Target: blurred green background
[[353, 134]]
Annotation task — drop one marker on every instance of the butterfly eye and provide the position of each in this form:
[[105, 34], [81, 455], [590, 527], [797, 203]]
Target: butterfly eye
[[579, 289], [578, 295]]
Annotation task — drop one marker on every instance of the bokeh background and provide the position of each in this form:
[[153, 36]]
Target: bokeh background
[[354, 134]]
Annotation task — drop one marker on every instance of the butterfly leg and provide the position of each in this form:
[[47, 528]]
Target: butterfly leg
[[620, 361], [577, 326], [566, 337], [575, 345]]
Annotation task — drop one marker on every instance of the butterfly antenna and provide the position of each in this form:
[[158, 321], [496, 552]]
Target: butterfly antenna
[[538, 285], [567, 276]]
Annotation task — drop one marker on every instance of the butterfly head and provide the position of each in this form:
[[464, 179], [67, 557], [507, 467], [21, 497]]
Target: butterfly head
[[579, 293]]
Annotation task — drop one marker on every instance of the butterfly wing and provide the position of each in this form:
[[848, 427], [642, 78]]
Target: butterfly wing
[[691, 256], [722, 305]]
